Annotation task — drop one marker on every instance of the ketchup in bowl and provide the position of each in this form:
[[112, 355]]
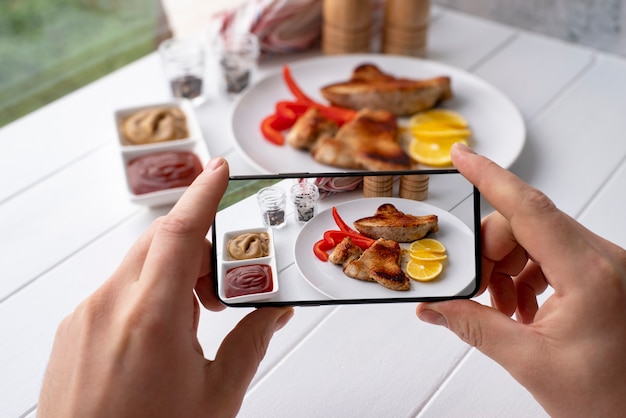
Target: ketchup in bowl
[[248, 279]]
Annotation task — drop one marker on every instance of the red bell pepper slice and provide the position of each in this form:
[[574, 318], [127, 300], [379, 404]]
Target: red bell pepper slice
[[340, 115], [359, 240], [294, 88], [320, 248], [270, 132], [343, 226]]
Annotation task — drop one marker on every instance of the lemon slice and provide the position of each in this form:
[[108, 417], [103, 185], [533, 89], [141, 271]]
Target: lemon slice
[[444, 116], [436, 130], [427, 256], [427, 245], [423, 271], [435, 153]]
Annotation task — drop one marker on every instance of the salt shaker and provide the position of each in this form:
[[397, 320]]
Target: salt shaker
[[304, 197]]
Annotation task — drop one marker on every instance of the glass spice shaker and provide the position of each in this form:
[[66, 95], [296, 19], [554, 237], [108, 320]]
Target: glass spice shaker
[[272, 204], [304, 197]]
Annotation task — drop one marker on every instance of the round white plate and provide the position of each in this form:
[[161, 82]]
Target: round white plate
[[497, 125], [328, 278]]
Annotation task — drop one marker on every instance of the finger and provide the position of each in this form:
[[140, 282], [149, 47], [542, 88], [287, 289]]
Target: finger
[[204, 286], [174, 260], [529, 212], [245, 346], [130, 268], [206, 293], [496, 335], [502, 293], [529, 284]]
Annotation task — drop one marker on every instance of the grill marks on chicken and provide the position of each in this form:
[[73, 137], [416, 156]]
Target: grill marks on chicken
[[379, 263]]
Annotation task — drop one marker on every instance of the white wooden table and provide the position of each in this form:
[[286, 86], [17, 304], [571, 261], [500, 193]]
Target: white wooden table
[[65, 223]]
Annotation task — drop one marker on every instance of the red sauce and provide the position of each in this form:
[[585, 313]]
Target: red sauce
[[163, 170], [249, 279]]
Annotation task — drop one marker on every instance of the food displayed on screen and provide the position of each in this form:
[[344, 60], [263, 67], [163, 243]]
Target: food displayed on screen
[[249, 245], [248, 279], [372, 251]]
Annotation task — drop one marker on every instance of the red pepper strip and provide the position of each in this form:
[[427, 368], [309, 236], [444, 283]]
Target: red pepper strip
[[294, 88], [287, 109], [269, 132], [320, 248], [340, 115], [341, 223], [336, 237]]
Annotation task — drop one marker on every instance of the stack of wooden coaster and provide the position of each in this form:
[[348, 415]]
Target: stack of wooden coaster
[[346, 26], [414, 186], [377, 186], [406, 27]]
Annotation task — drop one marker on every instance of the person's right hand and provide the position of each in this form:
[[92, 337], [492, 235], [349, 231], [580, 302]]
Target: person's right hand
[[570, 353]]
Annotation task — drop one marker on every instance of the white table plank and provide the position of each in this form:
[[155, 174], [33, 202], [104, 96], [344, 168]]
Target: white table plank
[[367, 360], [576, 143]]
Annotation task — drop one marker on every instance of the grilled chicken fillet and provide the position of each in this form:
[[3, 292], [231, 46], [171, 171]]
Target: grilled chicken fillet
[[389, 223], [369, 141], [309, 128], [371, 88], [381, 263]]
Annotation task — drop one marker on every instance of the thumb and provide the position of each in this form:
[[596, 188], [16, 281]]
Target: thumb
[[244, 347], [493, 333]]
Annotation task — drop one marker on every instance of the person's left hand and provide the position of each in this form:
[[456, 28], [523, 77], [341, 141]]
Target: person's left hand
[[131, 348]]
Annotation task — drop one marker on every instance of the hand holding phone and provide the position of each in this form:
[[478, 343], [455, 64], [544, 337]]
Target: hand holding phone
[[342, 242]]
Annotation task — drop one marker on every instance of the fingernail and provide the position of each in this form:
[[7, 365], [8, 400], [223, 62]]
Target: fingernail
[[433, 317], [283, 319], [214, 164], [463, 147]]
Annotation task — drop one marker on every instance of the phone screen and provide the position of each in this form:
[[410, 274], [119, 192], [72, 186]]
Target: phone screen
[[341, 238]]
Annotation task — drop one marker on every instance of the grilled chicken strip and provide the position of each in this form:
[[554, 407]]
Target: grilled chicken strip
[[346, 252], [390, 223], [368, 141], [309, 128], [380, 262], [371, 88]]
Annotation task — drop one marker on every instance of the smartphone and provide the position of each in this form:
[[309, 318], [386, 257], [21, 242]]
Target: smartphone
[[280, 239]]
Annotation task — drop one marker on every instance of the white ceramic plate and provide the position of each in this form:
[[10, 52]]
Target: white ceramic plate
[[497, 125], [328, 278]]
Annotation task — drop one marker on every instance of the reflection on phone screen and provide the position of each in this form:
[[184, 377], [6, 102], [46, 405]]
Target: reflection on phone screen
[[338, 238]]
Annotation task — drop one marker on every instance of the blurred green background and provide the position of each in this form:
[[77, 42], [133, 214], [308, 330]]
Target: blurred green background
[[49, 48]]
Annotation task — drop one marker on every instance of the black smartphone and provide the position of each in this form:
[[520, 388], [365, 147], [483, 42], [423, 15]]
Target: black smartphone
[[346, 238]]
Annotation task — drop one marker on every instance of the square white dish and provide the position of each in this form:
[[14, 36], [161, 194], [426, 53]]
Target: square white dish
[[227, 263], [193, 126]]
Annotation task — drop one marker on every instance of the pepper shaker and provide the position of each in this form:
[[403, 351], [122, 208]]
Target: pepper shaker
[[346, 26], [304, 197], [406, 27]]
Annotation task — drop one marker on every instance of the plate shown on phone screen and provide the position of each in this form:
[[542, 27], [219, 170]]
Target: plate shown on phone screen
[[459, 269]]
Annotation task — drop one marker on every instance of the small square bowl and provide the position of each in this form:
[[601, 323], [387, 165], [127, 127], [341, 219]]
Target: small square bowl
[[164, 196], [227, 263], [193, 126]]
